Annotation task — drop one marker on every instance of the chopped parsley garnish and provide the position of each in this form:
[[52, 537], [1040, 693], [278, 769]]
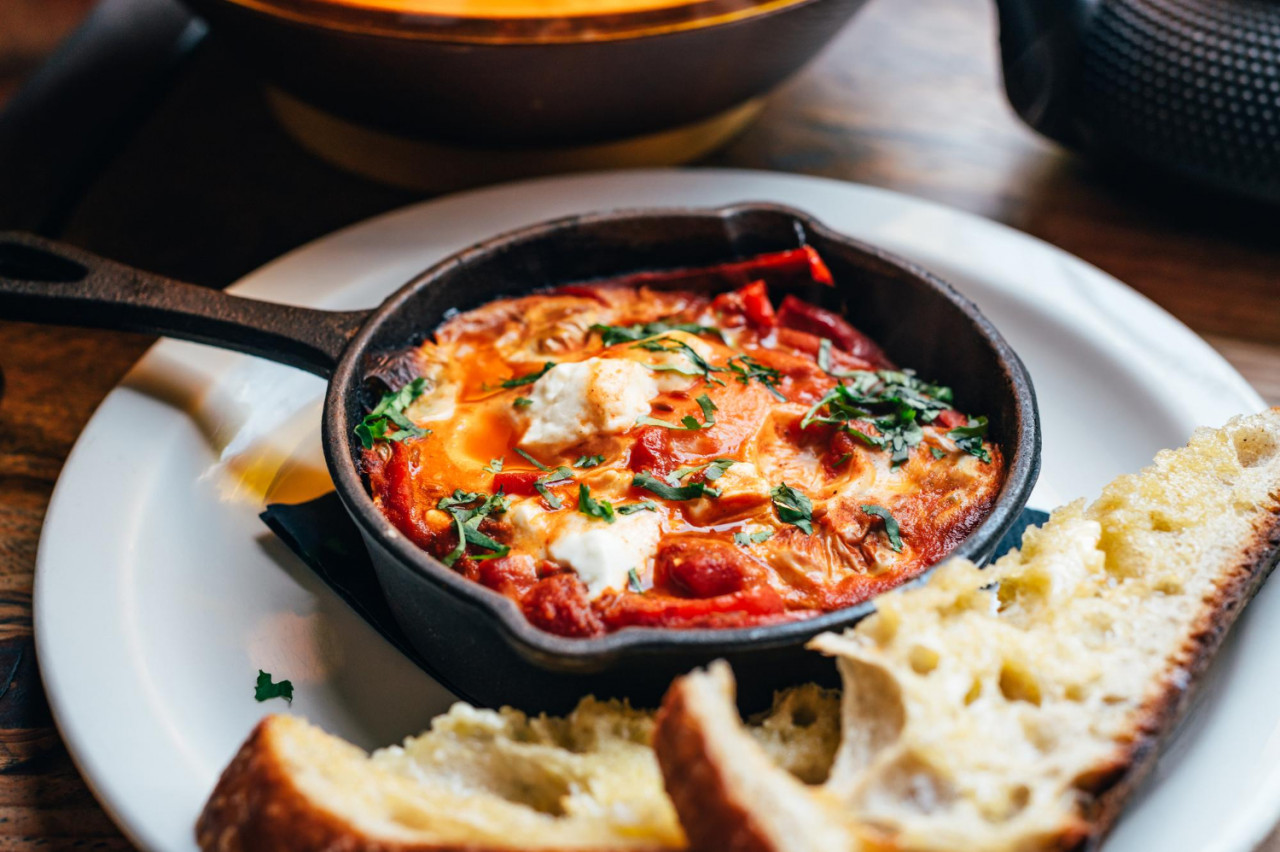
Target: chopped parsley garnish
[[559, 476], [688, 422], [376, 425], [745, 368], [633, 581], [531, 460], [468, 509], [522, 402], [969, 438], [612, 335], [588, 505], [793, 507], [890, 525], [893, 401], [632, 508], [743, 539], [714, 470], [589, 461], [494, 466], [699, 367], [528, 379], [844, 458], [666, 491], [265, 689]]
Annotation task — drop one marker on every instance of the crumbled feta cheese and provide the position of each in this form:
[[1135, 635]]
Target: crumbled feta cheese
[[578, 400], [603, 553]]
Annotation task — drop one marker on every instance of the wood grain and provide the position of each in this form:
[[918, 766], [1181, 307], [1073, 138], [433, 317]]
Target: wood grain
[[906, 98]]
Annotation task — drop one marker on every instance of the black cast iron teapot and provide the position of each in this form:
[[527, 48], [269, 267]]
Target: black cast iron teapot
[[1188, 86]]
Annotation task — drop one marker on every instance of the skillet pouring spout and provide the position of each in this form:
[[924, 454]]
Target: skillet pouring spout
[[52, 283]]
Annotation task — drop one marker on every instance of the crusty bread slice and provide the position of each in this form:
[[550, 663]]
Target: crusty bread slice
[[1012, 708], [482, 780]]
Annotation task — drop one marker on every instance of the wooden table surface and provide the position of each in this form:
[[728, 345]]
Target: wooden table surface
[[907, 98]]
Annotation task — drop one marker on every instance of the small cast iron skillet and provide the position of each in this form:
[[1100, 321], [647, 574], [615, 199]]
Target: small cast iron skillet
[[476, 640]]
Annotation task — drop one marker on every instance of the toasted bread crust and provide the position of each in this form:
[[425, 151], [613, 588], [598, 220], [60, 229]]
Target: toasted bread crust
[[1159, 716], [256, 807], [697, 784]]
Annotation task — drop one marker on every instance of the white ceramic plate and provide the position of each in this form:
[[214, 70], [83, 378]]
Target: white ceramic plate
[[159, 594]]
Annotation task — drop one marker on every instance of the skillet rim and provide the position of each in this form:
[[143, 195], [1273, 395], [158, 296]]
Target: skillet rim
[[597, 653]]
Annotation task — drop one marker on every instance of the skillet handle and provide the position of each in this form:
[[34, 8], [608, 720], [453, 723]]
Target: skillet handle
[[52, 283]]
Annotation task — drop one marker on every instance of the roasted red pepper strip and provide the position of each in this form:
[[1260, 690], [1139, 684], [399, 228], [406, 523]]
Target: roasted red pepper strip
[[782, 267], [516, 482], [802, 316]]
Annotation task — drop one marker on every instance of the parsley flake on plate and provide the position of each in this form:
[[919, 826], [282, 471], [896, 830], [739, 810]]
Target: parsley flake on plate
[[266, 689], [793, 507], [632, 508], [376, 425], [891, 528], [589, 461]]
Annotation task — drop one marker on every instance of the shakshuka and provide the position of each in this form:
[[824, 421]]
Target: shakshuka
[[648, 452]]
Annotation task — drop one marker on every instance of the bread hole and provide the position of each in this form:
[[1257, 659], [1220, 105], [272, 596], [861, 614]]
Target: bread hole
[[911, 783], [803, 716], [1254, 447], [1017, 683], [1160, 522], [1074, 692], [1168, 586], [923, 660], [974, 693]]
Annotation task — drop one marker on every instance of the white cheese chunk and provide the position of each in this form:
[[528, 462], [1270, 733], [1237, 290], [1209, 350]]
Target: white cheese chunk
[[602, 553], [578, 400]]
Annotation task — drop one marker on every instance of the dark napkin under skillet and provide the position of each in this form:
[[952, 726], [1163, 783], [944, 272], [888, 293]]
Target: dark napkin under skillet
[[322, 533]]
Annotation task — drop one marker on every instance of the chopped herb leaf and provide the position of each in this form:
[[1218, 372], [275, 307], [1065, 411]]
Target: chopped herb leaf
[[466, 520], [611, 335], [494, 466], [844, 458], [389, 412], [265, 689], [588, 505], [589, 461], [746, 368], [670, 344], [653, 484], [938, 452], [894, 401], [559, 476], [530, 378], [689, 422], [522, 402], [743, 539], [531, 460], [633, 581], [824, 362], [632, 508], [714, 470], [793, 507], [969, 438], [890, 525]]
